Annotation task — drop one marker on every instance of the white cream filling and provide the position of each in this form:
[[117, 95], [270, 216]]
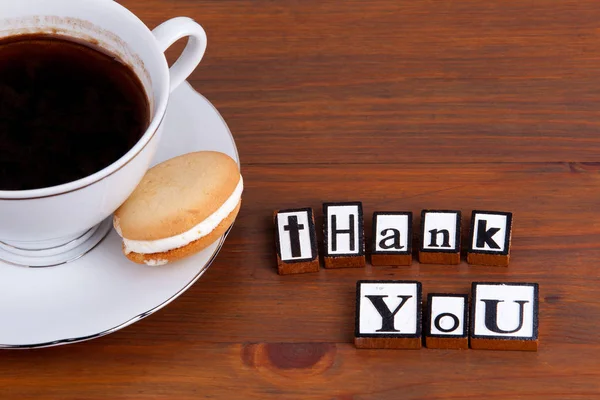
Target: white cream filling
[[197, 232], [155, 263]]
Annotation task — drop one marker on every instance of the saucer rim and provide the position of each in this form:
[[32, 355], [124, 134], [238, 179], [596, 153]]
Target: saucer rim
[[151, 311]]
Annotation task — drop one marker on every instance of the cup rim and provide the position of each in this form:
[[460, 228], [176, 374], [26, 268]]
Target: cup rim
[[117, 165]]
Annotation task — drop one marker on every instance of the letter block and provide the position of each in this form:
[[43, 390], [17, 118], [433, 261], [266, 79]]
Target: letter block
[[392, 238], [440, 237], [504, 316], [296, 241], [343, 235], [489, 243], [388, 315], [447, 321]]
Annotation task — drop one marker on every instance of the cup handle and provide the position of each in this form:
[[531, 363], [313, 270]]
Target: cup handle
[[171, 31]]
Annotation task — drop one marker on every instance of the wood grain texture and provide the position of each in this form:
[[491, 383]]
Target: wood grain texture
[[447, 343], [403, 105], [400, 81]]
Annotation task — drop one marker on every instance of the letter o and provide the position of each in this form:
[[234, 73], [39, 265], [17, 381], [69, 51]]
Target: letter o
[[438, 319]]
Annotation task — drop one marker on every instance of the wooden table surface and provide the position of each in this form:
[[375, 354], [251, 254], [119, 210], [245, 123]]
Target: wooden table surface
[[402, 105]]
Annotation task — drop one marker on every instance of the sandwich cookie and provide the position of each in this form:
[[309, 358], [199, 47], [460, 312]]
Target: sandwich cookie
[[180, 207]]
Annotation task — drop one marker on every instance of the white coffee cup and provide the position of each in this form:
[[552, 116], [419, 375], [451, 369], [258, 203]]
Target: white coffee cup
[[42, 221]]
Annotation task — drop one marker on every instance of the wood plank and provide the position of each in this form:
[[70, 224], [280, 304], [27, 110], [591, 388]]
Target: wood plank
[[552, 245], [388, 81], [122, 370]]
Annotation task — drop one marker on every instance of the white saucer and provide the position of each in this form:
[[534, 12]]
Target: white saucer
[[103, 291]]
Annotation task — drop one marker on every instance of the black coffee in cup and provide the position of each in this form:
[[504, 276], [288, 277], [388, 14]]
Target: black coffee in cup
[[67, 110]]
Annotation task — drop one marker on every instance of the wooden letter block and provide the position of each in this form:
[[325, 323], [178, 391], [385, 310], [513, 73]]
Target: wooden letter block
[[504, 316], [296, 241], [343, 235], [388, 315], [447, 321], [489, 243], [392, 238], [440, 237]]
